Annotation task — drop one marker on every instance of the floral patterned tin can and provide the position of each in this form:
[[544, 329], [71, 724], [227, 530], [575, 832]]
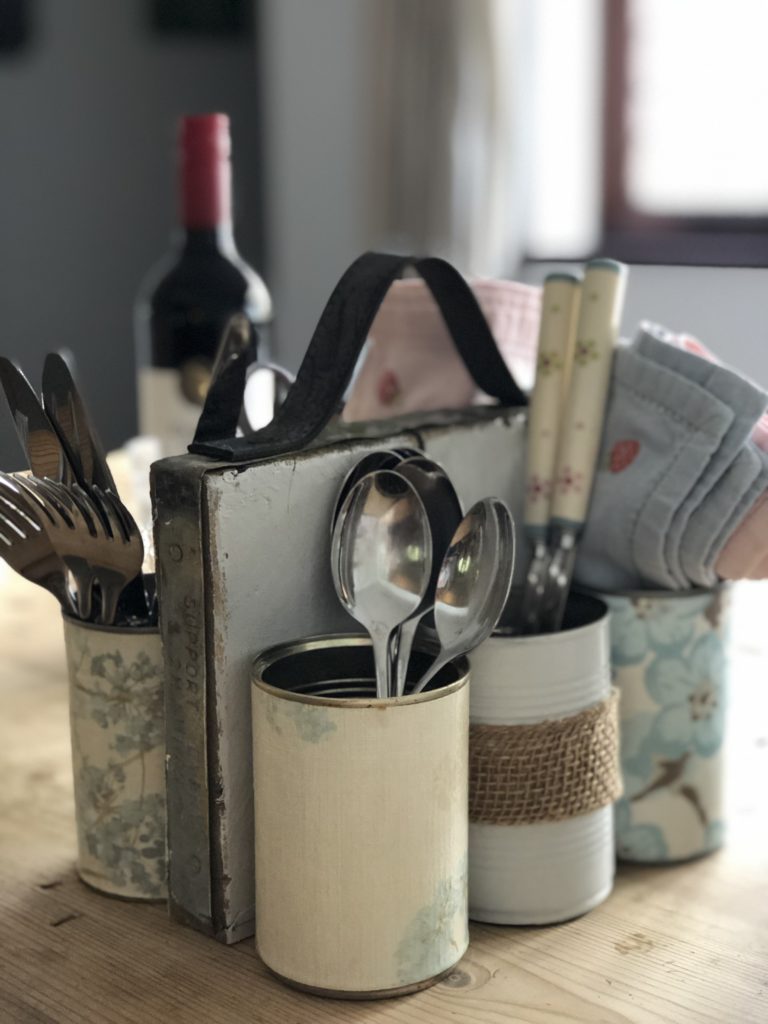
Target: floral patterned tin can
[[360, 821], [668, 655], [118, 757]]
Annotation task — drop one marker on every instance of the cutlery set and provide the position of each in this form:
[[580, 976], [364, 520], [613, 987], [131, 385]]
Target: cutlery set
[[577, 337], [63, 526], [402, 551]]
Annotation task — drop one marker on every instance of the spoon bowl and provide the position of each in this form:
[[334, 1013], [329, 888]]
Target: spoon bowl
[[474, 582], [444, 513], [381, 560], [387, 459]]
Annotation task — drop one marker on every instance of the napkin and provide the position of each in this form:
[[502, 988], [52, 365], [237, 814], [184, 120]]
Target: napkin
[[703, 521], [661, 432], [683, 471], [745, 553]]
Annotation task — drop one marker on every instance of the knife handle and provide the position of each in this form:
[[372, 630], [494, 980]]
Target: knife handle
[[557, 334], [602, 301]]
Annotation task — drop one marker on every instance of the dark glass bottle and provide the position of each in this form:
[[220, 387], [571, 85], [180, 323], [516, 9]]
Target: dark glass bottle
[[187, 300]]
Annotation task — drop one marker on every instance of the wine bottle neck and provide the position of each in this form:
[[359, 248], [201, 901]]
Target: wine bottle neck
[[205, 185], [219, 238]]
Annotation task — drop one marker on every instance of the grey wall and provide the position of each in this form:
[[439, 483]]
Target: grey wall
[[315, 74], [87, 118]]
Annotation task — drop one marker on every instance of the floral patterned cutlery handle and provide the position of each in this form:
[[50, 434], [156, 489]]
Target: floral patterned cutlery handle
[[557, 334], [597, 333]]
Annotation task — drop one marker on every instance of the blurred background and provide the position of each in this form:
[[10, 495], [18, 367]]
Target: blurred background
[[506, 135]]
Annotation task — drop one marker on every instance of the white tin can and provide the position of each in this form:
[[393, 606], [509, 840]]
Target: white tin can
[[543, 772], [360, 822], [118, 757], [669, 657]]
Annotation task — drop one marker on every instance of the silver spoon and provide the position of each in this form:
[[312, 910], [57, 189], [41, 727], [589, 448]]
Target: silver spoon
[[474, 582], [381, 560], [444, 513], [387, 459]]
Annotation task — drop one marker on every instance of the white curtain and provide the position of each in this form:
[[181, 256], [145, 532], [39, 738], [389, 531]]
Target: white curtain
[[450, 133]]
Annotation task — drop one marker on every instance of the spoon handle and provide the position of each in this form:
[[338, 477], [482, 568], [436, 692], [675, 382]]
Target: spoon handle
[[382, 660], [440, 662], [404, 637]]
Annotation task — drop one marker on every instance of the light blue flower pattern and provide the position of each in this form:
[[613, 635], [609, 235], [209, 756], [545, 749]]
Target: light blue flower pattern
[[638, 842], [672, 648], [691, 695], [642, 624], [312, 722], [430, 944]]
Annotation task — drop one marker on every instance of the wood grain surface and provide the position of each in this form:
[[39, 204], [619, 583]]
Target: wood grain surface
[[676, 944]]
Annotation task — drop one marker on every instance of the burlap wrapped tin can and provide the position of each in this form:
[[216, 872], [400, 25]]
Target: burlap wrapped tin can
[[544, 772], [118, 757], [668, 651], [360, 822]]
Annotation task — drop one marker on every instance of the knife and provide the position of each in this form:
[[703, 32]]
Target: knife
[[597, 333], [67, 412], [39, 439], [561, 298]]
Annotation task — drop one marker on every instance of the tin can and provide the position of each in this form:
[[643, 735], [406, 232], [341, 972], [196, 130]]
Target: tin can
[[360, 821], [543, 772], [668, 651], [118, 757]]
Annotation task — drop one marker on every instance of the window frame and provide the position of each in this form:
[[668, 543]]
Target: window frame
[[638, 237]]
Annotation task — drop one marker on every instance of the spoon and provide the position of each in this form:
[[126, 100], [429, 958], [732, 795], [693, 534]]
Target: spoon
[[444, 513], [474, 582], [388, 459], [381, 560]]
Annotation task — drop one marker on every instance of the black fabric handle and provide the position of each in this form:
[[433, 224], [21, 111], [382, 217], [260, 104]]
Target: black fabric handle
[[333, 353]]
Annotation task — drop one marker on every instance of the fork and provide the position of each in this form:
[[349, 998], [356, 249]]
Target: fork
[[98, 542], [26, 546]]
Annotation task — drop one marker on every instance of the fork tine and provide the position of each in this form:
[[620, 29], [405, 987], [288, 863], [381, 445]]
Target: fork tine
[[87, 509], [130, 526], [16, 509], [119, 524], [53, 508], [17, 520]]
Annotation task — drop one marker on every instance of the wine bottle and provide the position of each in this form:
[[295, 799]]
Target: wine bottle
[[186, 301]]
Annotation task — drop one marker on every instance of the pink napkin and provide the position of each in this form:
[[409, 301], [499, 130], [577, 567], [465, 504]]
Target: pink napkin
[[411, 363]]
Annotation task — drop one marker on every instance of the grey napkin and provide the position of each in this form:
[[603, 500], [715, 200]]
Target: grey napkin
[[661, 433], [702, 523]]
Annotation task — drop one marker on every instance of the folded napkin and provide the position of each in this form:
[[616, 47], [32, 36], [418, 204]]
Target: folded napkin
[[661, 430], [681, 472], [704, 518]]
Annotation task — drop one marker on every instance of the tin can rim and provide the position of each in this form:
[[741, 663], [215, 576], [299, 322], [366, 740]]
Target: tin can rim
[[72, 622], [265, 659]]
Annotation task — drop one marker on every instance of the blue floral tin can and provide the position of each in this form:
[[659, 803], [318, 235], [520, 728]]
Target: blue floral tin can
[[118, 757], [668, 657]]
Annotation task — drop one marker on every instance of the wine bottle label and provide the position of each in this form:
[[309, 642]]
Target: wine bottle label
[[170, 403]]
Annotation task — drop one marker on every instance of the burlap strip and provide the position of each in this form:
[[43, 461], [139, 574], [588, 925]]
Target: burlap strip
[[523, 774]]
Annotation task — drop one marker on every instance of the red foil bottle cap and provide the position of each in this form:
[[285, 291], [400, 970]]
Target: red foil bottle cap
[[206, 177]]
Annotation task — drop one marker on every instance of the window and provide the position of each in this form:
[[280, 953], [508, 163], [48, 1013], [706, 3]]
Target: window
[[686, 152], [680, 152]]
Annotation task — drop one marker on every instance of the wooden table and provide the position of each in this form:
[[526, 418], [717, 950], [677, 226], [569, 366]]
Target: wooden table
[[678, 944]]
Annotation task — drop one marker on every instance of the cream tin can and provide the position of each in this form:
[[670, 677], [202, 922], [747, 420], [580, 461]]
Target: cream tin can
[[360, 822], [118, 757], [541, 844], [669, 656]]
